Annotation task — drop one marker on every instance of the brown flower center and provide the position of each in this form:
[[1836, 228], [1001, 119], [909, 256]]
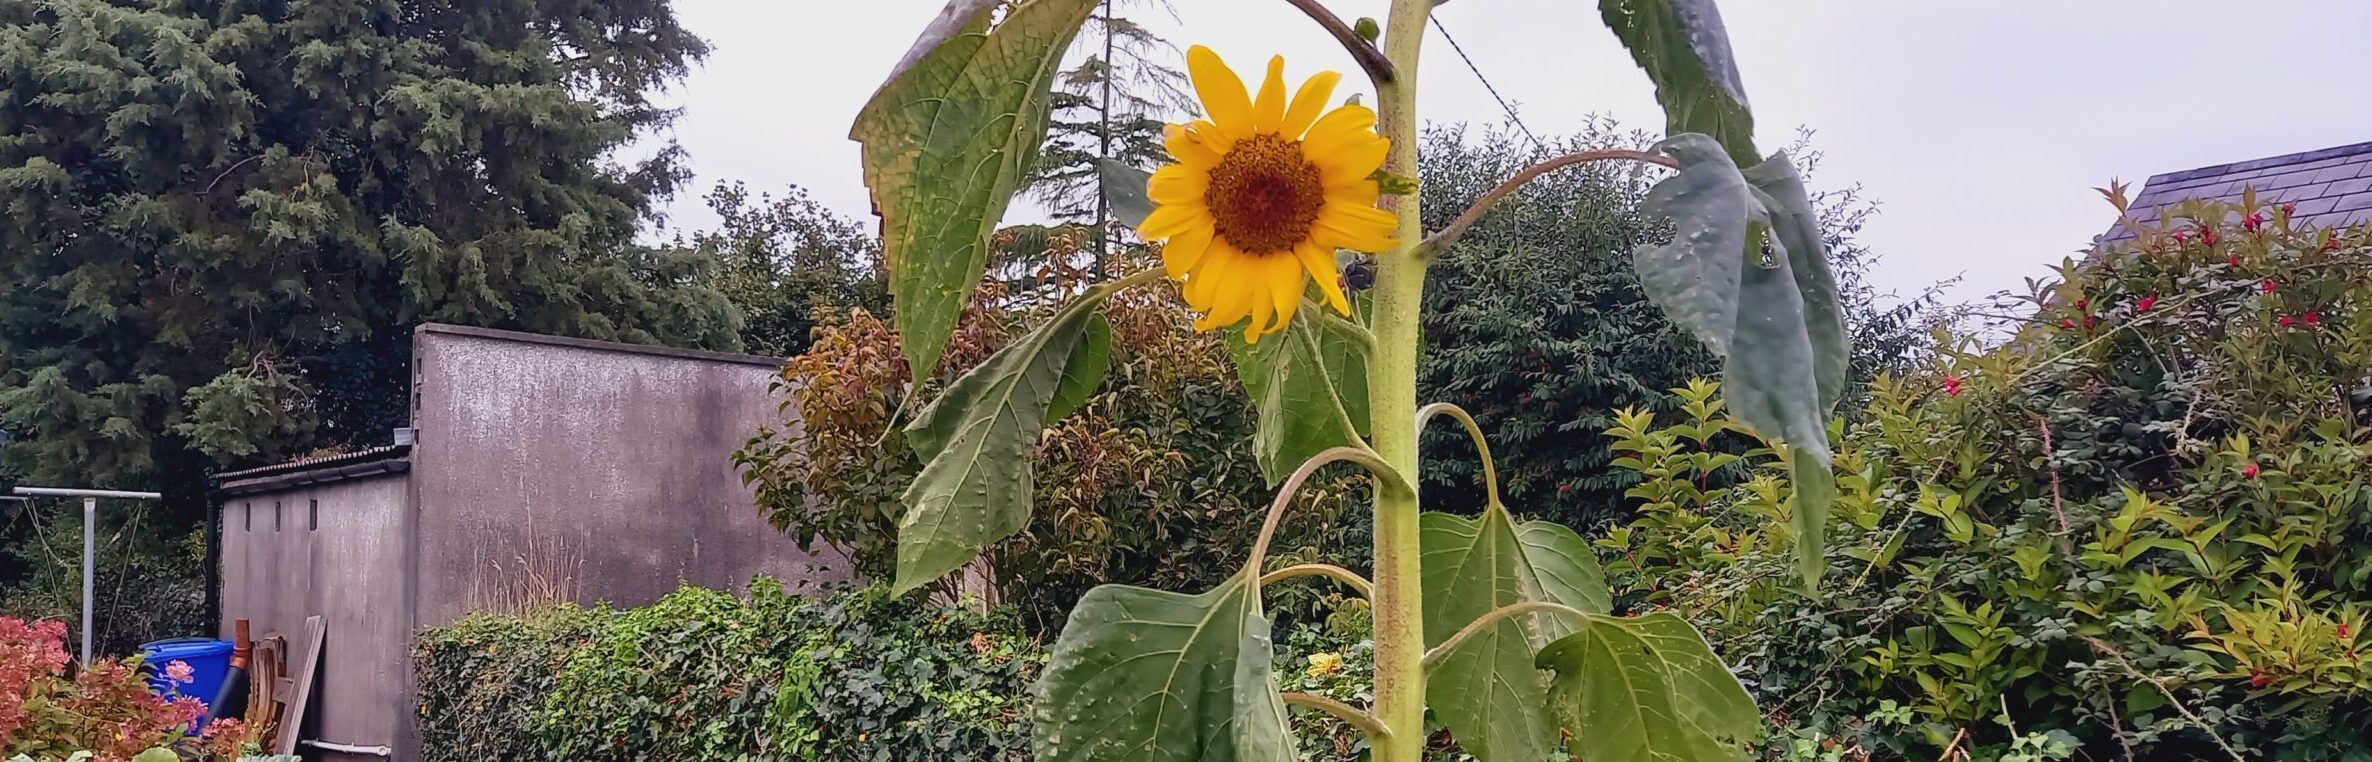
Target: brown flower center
[[1265, 195]]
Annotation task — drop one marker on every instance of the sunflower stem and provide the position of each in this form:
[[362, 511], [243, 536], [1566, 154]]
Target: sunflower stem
[[1392, 403]]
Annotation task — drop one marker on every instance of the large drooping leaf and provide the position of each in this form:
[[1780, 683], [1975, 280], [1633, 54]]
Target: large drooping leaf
[[1486, 690], [1309, 386], [1647, 689], [1124, 191], [945, 141], [1773, 316], [1686, 52], [1150, 676], [975, 440]]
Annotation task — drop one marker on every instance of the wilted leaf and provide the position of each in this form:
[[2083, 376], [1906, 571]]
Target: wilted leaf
[[1124, 191], [1647, 689], [1309, 386], [976, 439], [1486, 690], [1686, 52], [1150, 676], [1785, 356], [945, 141]]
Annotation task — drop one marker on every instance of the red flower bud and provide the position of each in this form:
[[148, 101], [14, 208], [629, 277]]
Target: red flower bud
[[2287, 321], [2235, 261], [1952, 385], [2314, 318], [2146, 303], [2083, 304], [2289, 209], [2254, 222], [2345, 631], [2269, 285], [2331, 244], [2181, 236], [2259, 679], [2248, 471], [2090, 321], [2067, 323], [2207, 236]]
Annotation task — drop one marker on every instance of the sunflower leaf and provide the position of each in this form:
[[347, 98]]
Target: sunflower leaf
[[976, 439], [1487, 690], [1686, 52], [1124, 191], [1308, 384], [945, 141], [1647, 689], [1153, 676], [1774, 317]]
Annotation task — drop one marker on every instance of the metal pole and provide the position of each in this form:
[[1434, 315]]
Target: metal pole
[[90, 568]]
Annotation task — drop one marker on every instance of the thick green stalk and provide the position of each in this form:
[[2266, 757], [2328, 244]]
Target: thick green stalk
[[1392, 401]]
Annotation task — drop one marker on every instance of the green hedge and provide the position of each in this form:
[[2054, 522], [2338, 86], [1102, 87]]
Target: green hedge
[[707, 675]]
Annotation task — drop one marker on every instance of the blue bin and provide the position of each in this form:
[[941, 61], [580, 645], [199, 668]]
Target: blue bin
[[209, 662]]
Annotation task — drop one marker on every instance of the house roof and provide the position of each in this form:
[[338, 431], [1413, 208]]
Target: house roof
[[2332, 188]]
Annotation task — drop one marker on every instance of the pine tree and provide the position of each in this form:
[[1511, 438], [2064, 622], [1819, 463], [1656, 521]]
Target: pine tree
[[1110, 107], [221, 218]]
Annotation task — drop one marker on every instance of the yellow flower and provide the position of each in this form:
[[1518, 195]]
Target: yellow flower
[[1324, 664], [1264, 192]]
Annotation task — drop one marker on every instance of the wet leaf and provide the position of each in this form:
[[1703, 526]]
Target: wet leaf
[[1686, 52], [946, 140], [1647, 689], [1124, 191], [1487, 690], [1151, 676], [1090, 358]]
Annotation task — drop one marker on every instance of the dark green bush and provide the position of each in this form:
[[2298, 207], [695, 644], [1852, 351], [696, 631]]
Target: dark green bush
[[707, 675], [2136, 529]]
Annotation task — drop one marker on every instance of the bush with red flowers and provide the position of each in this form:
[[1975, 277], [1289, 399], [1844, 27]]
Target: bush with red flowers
[[105, 709], [2135, 529]]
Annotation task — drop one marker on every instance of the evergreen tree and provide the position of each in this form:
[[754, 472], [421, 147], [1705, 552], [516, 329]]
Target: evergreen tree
[[221, 218], [789, 264], [1110, 107]]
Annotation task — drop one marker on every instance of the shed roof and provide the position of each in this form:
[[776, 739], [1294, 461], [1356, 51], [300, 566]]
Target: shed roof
[[316, 470], [2332, 187]]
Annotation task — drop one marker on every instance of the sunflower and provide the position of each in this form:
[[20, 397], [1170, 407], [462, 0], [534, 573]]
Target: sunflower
[[1263, 193]]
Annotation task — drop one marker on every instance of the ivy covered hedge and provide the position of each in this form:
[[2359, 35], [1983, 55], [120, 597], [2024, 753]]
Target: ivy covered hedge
[[704, 674]]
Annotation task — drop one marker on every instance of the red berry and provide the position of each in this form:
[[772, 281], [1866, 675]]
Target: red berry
[[2269, 285]]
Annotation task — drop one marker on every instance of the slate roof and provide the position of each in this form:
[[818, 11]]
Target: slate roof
[[2332, 187]]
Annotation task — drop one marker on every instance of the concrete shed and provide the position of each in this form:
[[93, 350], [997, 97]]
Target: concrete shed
[[539, 468]]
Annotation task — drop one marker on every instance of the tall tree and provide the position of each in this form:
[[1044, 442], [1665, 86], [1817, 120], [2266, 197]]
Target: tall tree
[[1110, 107], [789, 264], [221, 218]]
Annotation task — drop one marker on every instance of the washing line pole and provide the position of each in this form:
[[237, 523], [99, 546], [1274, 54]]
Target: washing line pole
[[90, 545]]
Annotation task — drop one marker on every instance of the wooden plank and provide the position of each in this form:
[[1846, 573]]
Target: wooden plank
[[292, 722]]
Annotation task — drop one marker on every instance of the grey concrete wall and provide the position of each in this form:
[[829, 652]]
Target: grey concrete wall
[[334, 550], [590, 470]]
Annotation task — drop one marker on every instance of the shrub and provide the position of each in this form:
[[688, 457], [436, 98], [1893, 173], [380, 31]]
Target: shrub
[[703, 674], [1152, 482], [2135, 529], [105, 712]]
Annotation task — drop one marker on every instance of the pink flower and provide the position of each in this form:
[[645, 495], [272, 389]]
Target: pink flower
[[2254, 222], [2270, 285], [2289, 209], [2287, 321], [2259, 679], [2146, 303], [2313, 318], [2207, 236], [2067, 323], [2248, 471], [180, 672], [2181, 236], [1952, 385], [2234, 261], [2345, 631]]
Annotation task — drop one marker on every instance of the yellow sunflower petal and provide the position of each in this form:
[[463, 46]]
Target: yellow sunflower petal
[[1356, 162], [1189, 148], [1320, 263], [1268, 108], [1221, 91], [1351, 227], [1171, 219], [1263, 311], [1360, 192], [1340, 125], [1209, 273], [1178, 184], [1284, 288], [1184, 249], [1308, 102]]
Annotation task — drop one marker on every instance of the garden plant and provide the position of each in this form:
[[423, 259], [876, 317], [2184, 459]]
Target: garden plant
[[1291, 223]]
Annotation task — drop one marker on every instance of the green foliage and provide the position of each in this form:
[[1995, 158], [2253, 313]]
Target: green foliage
[[703, 674], [2125, 531], [1163, 677], [1647, 689], [1152, 482], [946, 141], [1308, 385], [1484, 689], [789, 265], [1108, 113], [1684, 49]]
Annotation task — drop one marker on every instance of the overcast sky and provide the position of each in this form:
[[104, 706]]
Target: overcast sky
[[1980, 127]]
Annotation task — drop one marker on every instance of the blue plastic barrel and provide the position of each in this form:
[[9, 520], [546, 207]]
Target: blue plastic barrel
[[209, 661]]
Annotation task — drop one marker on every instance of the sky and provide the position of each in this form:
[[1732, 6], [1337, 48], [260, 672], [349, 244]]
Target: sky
[[1980, 128]]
